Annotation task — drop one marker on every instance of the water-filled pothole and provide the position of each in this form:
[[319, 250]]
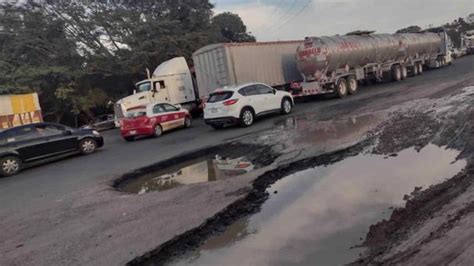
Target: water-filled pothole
[[199, 170], [208, 165], [315, 216]]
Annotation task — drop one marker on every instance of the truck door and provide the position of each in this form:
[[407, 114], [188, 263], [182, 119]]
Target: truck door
[[161, 91]]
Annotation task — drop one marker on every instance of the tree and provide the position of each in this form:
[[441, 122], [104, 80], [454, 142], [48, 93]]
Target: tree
[[229, 27], [79, 55]]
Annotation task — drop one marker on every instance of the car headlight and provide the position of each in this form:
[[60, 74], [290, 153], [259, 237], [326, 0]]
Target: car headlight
[[95, 132]]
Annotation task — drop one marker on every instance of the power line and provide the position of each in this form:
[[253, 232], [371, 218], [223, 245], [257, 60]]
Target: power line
[[279, 8], [299, 12]]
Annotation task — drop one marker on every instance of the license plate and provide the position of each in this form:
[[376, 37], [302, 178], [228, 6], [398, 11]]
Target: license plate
[[133, 132], [214, 110]]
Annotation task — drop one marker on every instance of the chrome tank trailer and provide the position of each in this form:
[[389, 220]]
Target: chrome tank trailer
[[318, 57]]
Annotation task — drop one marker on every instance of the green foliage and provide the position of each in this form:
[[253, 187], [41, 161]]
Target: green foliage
[[79, 55], [229, 27]]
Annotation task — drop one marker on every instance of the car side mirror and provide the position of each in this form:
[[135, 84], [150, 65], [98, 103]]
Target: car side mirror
[[178, 106], [274, 91], [134, 91], [67, 132]]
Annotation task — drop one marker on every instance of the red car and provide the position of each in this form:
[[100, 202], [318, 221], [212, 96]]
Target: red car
[[153, 120]]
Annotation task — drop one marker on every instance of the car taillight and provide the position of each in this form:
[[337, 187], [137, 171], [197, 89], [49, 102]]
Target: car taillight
[[230, 102]]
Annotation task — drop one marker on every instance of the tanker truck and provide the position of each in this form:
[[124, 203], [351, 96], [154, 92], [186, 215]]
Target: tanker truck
[[338, 64]]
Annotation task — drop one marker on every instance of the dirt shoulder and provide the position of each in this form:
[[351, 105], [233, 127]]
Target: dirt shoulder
[[435, 226]]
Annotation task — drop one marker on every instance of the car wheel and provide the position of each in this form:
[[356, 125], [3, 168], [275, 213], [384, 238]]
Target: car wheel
[[87, 146], [158, 131], [10, 165], [187, 122], [352, 84], [246, 117], [131, 138], [341, 88], [286, 106]]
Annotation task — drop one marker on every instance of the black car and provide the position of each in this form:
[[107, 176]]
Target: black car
[[28, 145], [103, 122]]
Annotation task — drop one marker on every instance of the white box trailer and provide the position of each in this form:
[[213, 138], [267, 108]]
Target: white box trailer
[[220, 65]]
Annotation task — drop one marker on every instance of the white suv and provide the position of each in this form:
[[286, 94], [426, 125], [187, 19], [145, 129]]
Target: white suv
[[242, 104]]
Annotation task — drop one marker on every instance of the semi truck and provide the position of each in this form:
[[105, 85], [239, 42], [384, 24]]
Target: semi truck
[[216, 66], [468, 41], [171, 82], [338, 64]]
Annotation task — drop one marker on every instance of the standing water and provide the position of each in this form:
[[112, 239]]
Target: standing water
[[315, 216]]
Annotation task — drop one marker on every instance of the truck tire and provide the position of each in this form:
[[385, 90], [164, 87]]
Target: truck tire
[[420, 69], [10, 165], [352, 85], [187, 122], [341, 88], [396, 73], [404, 72], [415, 70]]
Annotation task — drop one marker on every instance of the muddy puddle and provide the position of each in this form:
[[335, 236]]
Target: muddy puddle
[[317, 216], [207, 168], [303, 130]]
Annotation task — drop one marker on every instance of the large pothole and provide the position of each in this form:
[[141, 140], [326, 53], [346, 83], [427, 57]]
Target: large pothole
[[315, 216], [207, 165]]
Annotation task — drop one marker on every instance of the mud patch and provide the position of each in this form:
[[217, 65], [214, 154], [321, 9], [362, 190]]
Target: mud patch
[[212, 164], [234, 225], [315, 216]]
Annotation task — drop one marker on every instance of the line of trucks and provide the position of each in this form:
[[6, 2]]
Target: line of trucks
[[316, 65]]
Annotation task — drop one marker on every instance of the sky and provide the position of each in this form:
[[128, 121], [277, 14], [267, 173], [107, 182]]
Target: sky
[[295, 19]]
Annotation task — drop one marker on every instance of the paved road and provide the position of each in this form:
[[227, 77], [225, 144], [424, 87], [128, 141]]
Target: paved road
[[50, 214], [39, 187]]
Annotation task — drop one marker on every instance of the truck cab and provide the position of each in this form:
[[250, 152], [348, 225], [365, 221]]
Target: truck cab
[[171, 82]]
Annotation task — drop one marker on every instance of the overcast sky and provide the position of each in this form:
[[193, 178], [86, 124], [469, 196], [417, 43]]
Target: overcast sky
[[295, 19]]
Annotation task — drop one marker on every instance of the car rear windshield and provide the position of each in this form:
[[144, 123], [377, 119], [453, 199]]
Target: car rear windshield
[[220, 96], [135, 113]]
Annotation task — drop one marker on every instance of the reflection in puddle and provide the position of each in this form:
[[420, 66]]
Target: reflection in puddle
[[319, 213], [204, 169], [305, 130]]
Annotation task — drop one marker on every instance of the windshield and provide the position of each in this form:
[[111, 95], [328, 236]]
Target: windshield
[[220, 96], [145, 86]]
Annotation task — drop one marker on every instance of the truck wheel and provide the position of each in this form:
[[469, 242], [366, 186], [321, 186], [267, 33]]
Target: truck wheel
[[187, 122], [396, 73], [352, 84], [286, 106], [157, 131], [415, 70], [404, 73], [9, 165], [246, 117], [341, 88], [420, 69]]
